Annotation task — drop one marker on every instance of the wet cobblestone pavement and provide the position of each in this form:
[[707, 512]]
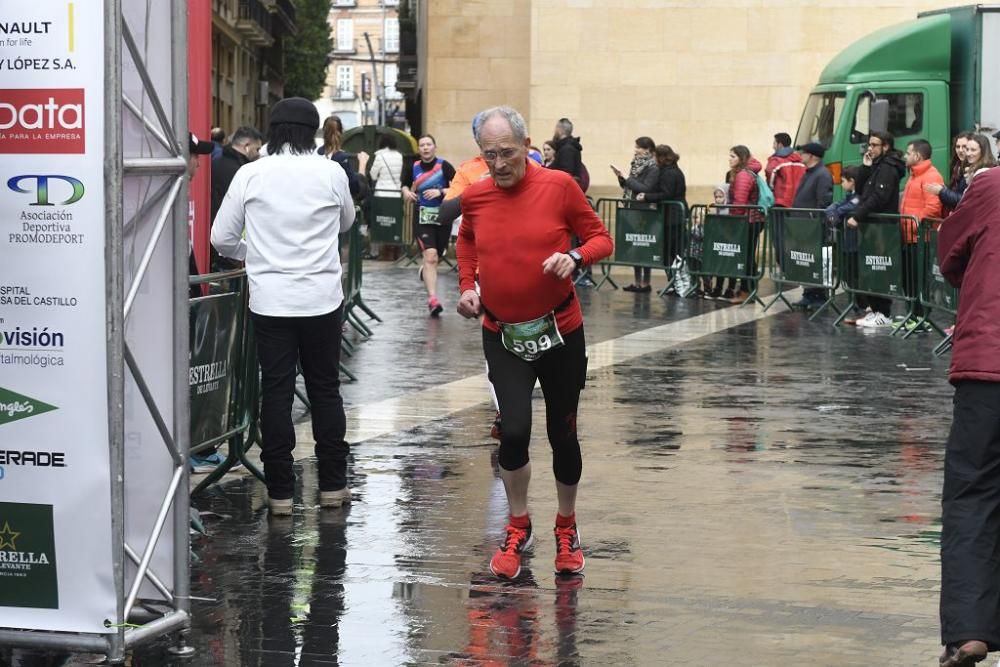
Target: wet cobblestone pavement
[[757, 490]]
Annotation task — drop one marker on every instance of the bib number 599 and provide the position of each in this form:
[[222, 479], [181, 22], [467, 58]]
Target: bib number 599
[[543, 344]]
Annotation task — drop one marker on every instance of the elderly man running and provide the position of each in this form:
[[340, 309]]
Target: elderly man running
[[516, 230]]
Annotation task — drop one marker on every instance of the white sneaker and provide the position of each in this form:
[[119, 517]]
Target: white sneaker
[[282, 507], [335, 498], [864, 321], [877, 321]]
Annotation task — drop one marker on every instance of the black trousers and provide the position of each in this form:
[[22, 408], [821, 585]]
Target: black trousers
[[970, 522], [911, 260], [282, 342], [562, 373], [753, 236]]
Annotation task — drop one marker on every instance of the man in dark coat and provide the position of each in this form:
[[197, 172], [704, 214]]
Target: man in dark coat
[[243, 148], [568, 150], [814, 190], [881, 172], [968, 255]]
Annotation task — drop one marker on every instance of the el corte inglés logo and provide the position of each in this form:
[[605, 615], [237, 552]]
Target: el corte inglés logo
[[14, 406], [27, 557]]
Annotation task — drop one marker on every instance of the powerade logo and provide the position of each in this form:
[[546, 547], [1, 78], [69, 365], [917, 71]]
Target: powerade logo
[[42, 121], [38, 185]]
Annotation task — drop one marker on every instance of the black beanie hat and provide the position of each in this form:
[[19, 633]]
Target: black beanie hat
[[295, 111]]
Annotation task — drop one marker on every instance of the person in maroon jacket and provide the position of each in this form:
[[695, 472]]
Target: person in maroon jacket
[[969, 258], [515, 233], [785, 168]]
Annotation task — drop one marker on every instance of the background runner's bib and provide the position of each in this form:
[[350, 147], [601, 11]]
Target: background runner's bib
[[429, 215], [530, 340]]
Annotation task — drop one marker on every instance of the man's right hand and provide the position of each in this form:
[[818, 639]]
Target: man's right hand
[[469, 305], [851, 222], [867, 159]]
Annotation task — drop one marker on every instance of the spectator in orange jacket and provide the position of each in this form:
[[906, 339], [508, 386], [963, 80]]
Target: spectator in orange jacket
[[918, 203]]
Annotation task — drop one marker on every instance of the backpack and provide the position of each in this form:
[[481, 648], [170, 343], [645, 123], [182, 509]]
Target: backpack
[[765, 196]]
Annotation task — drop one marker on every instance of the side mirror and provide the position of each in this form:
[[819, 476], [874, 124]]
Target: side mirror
[[878, 119]]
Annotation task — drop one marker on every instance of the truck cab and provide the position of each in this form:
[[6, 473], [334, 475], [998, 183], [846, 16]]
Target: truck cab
[[932, 77]]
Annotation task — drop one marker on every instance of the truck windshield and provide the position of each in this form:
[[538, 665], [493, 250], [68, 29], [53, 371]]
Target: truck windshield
[[820, 119]]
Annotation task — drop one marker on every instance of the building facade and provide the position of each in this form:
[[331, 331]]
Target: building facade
[[362, 76], [248, 55], [699, 75]]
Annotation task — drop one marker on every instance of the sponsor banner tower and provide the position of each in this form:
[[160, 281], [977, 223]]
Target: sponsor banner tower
[[93, 325]]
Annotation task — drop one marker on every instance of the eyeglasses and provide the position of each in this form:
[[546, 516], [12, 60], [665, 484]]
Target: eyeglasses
[[505, 155], [871, 145]]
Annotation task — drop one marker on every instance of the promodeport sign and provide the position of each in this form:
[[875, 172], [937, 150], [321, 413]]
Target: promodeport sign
[[55, 488]]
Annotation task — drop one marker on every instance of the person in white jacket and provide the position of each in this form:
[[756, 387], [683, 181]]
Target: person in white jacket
[[387, 168], [283, 217]]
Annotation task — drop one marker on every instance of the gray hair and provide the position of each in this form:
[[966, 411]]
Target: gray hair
[[566, 125], [516, 121]]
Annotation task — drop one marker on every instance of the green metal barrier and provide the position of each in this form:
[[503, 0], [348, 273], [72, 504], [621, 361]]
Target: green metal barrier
[[802, 253], [224, 402], [936, 294], [646, 236], [731, 245], [386, 224], [353, 278], [877, 267]]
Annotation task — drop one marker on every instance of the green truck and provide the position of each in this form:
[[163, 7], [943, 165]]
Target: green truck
[[929, 78]]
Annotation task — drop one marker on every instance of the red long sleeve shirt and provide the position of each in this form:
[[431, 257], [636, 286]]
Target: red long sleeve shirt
[[507, 233]]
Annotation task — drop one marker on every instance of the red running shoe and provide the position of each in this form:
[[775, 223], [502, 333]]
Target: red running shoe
[[434, 306], [506, 562], [495, 429], [569, 555]]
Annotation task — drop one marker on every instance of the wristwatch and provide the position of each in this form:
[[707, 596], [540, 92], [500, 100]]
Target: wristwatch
[[577, 257]]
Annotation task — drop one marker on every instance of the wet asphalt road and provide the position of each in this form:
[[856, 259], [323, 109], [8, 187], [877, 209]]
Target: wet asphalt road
[[756, 493]]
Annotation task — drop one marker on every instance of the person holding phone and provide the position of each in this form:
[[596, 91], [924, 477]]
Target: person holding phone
[[643, 176]]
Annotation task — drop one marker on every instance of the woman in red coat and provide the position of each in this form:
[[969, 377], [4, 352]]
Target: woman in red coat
[[742, 179]]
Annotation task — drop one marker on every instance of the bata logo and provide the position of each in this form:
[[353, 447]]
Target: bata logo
[[43, 120]]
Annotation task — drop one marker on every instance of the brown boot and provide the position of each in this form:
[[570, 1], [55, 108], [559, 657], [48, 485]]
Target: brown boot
[[965, 654]]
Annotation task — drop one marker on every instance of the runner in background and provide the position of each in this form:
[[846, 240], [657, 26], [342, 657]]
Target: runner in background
[[425, 185]]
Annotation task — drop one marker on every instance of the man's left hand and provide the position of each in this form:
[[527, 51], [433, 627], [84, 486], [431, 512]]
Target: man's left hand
[[559, 265]]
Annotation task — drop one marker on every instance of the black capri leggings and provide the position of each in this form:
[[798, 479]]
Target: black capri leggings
[[562, 373]]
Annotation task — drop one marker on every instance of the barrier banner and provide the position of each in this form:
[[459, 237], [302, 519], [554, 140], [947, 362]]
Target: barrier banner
[[802, 248], [725, 245], [386, 225], [213, 324], [880, 266], [939, 293], [639, 236], [56, 564]]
